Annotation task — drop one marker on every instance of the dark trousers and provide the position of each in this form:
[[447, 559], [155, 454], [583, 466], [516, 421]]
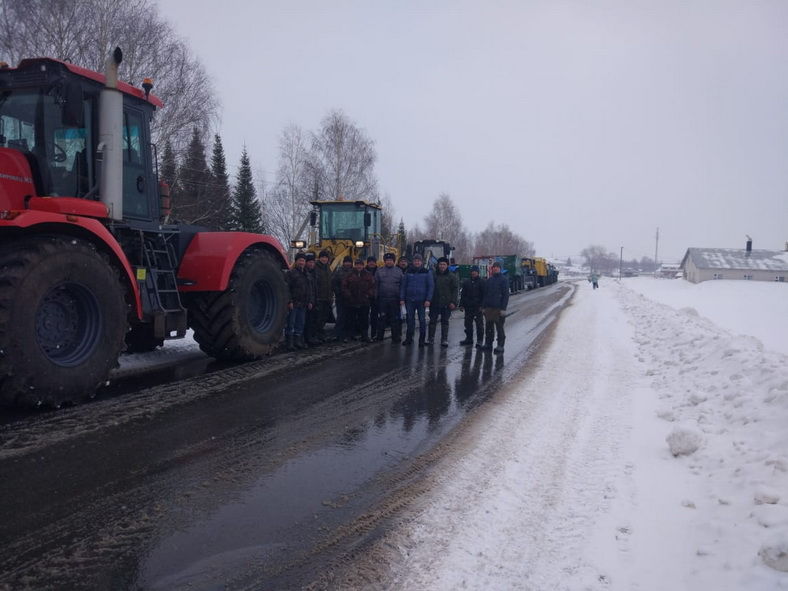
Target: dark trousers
[[439, 314], [388, 316], [295, 321], [322, 312], [357, 320], [494, 323], [414, 308], [473, 315], [373, 317]]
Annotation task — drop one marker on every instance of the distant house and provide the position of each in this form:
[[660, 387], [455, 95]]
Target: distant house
[[702, 264], [668, 270]]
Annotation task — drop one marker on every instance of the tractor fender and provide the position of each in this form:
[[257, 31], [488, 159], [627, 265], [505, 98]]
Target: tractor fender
[[50, 222], [211, 256]]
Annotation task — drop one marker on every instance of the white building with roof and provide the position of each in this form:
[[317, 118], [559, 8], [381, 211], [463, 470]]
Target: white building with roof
[[703, 264]]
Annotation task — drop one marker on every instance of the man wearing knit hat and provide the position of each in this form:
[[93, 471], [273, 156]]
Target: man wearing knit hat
[[388, 281], [471, 299]]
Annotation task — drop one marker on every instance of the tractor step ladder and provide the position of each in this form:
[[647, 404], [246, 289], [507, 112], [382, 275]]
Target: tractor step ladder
[[162, 284]]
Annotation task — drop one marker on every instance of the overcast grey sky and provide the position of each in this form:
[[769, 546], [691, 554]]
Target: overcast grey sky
[[573, 122]]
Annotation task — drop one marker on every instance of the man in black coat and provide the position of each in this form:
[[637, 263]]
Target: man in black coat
[[471, 302], [339, 275], [324, 295], [496, 298], [300, 301], [372, 269]]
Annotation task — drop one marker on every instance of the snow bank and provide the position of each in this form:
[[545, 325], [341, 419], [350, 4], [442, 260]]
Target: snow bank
[[755, 308], [578, 477]]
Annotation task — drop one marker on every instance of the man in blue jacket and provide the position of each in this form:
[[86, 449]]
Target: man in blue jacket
[[496, 298], [415, 294]]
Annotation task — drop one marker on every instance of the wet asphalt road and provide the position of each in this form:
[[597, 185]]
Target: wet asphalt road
[[268, 475]]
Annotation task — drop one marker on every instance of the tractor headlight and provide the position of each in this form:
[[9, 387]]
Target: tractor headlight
[[298, 243], [359, 243]]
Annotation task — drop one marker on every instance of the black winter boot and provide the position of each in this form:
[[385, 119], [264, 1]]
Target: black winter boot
[[298, 341], [289, 342], [431, 339], [499, 349]]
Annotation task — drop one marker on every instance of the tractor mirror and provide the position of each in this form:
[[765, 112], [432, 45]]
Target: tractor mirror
[[313, 218], [72, 108], [367, 219]]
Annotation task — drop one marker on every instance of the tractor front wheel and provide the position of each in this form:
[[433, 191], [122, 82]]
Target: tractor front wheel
[[62, 321]]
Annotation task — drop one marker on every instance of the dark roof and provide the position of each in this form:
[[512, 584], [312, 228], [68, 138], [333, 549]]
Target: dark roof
[[737, 258]]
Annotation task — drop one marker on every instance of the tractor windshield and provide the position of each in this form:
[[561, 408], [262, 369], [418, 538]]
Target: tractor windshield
[[345, 221], [31, 121]]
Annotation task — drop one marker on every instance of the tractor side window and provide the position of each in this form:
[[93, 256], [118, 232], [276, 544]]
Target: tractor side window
[[16, 133], [135, 196]]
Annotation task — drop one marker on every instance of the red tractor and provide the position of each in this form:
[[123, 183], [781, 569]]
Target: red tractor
[[89, 265]]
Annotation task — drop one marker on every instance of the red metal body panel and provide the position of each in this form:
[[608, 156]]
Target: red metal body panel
[[211, 256], [16, 180], [84, 72], [69, 205], [29, 219]]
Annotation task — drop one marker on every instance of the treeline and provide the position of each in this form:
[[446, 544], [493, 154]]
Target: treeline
[[444, 222], [598, 259], [335, 161]]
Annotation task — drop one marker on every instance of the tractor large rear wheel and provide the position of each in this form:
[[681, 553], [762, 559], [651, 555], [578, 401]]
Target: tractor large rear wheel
[[62, 321], [245, 321]]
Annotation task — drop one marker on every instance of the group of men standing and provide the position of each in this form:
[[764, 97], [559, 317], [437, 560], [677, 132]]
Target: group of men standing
[[370, 299]]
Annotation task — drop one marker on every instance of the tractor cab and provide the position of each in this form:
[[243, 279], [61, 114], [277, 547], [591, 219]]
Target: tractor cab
[[345, 228], [50, 122], [432, 250]]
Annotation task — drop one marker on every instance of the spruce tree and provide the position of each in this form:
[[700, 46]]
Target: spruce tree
[[195, 180], [168, 171], [221, 186], [247, 216], [402, 239]]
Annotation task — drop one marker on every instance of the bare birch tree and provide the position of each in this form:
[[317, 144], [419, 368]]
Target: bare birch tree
[[344, 159], [444, 222], [287, 203], [500, 240]]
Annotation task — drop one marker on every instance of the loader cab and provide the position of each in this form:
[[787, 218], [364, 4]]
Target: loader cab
[[49, 113], [357, 221]]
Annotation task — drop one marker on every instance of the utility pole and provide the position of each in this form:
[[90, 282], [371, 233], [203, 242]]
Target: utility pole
[[620, 263], [656, 251]]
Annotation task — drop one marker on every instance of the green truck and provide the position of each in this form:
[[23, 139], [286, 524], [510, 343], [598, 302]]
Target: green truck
[[510, 266]]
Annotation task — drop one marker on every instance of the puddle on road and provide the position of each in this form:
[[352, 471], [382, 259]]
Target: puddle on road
[[268, 523], [316, 491]]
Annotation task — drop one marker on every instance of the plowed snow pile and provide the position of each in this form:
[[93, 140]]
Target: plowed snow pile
[[647, 449]]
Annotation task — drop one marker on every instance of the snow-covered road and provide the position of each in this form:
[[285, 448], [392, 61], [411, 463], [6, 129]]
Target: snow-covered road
[[568, 480]]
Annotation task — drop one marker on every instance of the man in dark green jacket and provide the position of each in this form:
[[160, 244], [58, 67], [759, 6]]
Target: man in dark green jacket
[[444, 300]]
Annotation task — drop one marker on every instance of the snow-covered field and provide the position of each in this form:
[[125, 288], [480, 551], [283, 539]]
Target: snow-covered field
[[646, 449]]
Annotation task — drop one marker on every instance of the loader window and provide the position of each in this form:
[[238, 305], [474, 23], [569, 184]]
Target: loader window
[[343, 221]]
